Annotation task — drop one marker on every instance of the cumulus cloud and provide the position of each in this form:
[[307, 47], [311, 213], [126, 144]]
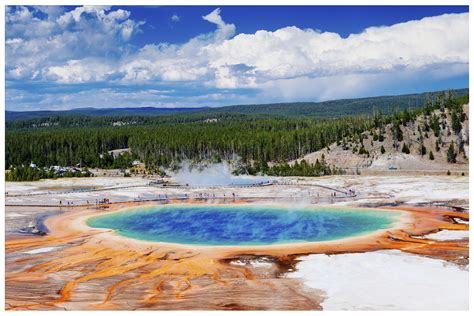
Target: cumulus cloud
[[224, 30], [292, 52], [52, 11], [41, 39], [91, 44], [79, 71]]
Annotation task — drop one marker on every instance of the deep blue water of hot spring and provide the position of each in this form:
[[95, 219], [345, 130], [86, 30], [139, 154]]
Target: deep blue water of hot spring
[[215, 225]]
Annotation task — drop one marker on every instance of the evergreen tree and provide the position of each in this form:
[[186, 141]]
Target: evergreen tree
[[437, 145], [431, 155], [434, 124], [397, 132], [422, 150], [382, 150], [363, 151], [405, 149], [456, 122], [451, 155]]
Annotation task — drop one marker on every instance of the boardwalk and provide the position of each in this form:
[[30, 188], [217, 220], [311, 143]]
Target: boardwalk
[[226, 195]]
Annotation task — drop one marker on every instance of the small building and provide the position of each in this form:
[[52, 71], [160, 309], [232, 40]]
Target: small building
[[137, 163], [118, 152]]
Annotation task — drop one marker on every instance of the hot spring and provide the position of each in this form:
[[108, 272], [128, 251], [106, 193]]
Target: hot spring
[[223, 225]]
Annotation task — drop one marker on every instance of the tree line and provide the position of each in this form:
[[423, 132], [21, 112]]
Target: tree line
[[276, 140], [163, 142]]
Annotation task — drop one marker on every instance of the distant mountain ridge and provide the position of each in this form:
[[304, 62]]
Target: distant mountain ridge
[[325, 109], [143, 111]]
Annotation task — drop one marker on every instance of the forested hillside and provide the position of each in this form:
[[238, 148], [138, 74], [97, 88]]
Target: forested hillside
[[143, 111], [434, 139], [260, 143], [327, 109], [339, 108], [162, 144]]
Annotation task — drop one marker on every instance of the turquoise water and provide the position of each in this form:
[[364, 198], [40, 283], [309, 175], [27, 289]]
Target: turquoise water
[[242, 225]]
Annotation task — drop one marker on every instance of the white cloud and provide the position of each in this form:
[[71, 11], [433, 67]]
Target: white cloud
[[292, 52], [33, 45], [52, 12], [224, 30], [22, 14], [175, 18], [91, 44], [79, 71], [22, 100]]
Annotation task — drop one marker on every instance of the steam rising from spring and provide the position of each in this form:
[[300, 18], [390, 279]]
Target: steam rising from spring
[[212, 174]]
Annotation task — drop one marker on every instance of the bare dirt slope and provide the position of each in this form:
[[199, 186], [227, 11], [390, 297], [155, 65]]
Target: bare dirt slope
[[348, 156]]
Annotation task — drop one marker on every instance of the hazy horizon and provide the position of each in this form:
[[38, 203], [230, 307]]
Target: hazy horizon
[[229, 105]]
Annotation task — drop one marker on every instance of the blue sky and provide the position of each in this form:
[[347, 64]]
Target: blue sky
[[190, 56], [344, 20]]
